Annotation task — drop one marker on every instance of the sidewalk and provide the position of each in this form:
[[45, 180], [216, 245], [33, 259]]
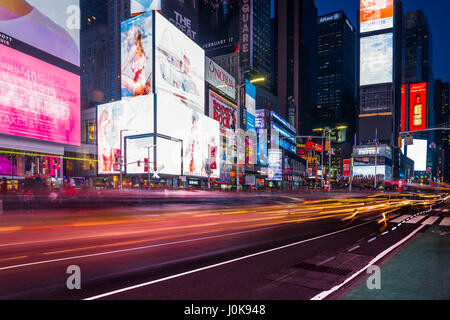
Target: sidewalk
[[420, 271]]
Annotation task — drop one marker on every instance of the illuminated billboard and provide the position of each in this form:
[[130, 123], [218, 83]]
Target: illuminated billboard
[[180, 65], [200, 135], [219, 26], [222, 111], [38, 100], [418, 106], [376, 15], [135, 115], [48, 25], [250, 97], [376, 59], [140, 6], [262, 152], [275, 165], [220, 79], [418, 153], [136, 52]]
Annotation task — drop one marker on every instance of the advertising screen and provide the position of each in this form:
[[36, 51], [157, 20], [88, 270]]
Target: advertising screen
[[275, 165], [223, 111], [180, 65], [418, 106], [220, 79], [262, 155], [197, 132], [136, 52], [250, 97], [219, 26], [369, 171], [184, 15], [418, 153], [250, 148], [376, 15], [376, 59], [48, 25], [135, 115], [140, 6], [37, 99]]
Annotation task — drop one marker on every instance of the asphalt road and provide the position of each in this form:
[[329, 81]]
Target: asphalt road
[[240, 251]]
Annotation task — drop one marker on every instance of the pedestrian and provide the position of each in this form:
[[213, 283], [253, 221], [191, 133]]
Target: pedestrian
[[4, 186]]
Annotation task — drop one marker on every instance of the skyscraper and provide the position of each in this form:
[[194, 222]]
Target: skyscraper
[[336, 73], [296, 60]]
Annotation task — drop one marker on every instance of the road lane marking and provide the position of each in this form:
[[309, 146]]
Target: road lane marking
[[136, 248], [400, 219], [415, 219], [445, 222], [326, 293], [370, 240], [430, 220], [352, 249], [325, 261], [218, 264]]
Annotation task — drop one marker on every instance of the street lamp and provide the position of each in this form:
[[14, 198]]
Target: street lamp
[[256, 80], [121, 162]]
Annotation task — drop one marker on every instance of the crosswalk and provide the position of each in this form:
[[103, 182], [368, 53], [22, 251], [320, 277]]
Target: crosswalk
[[437, 216]]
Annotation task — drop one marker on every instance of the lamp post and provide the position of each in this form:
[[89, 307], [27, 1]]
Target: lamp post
[[257, 80], [121, 161]]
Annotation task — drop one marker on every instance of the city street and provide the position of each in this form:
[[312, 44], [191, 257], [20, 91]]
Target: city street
[[287, 248]]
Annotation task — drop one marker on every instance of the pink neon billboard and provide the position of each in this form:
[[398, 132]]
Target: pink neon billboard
[[37, 99]]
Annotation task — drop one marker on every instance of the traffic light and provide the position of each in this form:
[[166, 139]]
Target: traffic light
[[400, 142], [139, 163], [327, 145]]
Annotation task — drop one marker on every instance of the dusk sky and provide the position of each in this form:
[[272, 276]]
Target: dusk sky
[[435, 10]]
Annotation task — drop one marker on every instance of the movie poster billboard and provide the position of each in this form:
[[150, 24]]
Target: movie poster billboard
[[376, 15], [136, 52], [184, 15], [135, 114], [199, 135], [180, 65], [418, 106], [376, 59], [223, 111], [262, 155], [38, 100], [219, 26], [48, 25], [140, 6]]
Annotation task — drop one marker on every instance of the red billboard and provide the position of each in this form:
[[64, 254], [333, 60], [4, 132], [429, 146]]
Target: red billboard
[[346, 168], [223, 111], [418, 106], [403, 109], [314, 146]]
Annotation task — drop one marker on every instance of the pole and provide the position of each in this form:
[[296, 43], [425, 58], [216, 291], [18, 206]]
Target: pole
[[148, 167], [321, 161], [329, 158], [376, 157], [120, 160]]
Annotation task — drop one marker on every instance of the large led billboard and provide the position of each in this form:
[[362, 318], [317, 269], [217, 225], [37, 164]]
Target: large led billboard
[[140, 6], [220, 79], [403, 109], [223, 111], [134, 115], [275, 165], [376, 15], [136, 52], [180, 65], [418, 106], [38, 100], [418, 153], [48, 25], [219, 26], [199, 134], [376, 59]]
